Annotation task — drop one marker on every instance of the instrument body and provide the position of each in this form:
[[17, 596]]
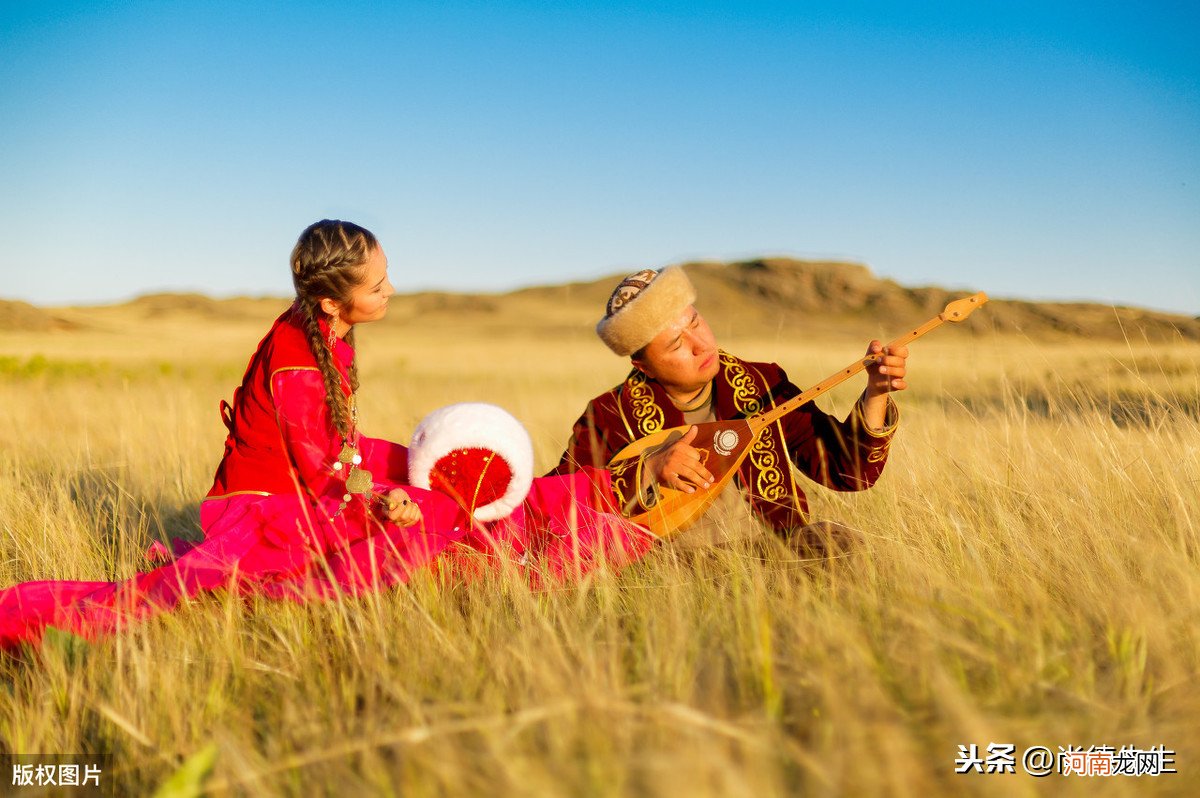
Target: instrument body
[[723, 445]]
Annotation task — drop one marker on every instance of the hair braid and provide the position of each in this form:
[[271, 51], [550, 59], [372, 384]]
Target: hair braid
[[327, 264], [335, 398], [353, 363]]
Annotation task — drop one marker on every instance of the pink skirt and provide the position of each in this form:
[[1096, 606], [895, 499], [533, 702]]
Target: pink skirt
[[288, 547]]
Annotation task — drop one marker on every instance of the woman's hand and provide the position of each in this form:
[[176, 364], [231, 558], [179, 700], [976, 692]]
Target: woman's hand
[[402, 510]]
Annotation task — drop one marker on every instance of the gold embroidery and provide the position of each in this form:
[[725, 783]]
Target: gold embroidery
[[745, 396], [646, 412], [271, 379], [770, 477], [764, 454], [621, 412], [235, 493], [891, 419], [625, 484]]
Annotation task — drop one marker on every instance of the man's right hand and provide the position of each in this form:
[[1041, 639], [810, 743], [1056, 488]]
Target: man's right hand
[[679, 465]]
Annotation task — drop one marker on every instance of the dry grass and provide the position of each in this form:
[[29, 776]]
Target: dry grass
[[1031, 575]]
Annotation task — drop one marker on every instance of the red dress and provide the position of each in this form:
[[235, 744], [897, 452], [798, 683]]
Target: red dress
[[272, 524]]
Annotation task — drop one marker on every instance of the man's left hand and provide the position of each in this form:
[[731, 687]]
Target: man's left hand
[[887, 374]]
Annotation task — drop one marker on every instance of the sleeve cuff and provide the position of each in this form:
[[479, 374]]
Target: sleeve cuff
[[647, 485], [891, 418]]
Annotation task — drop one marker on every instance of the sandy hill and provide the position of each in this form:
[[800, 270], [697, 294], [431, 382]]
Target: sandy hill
[[24, 316], [770, 296], [786, 296]]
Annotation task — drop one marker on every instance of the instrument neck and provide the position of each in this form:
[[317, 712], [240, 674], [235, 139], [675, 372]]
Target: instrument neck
[[765, 419]]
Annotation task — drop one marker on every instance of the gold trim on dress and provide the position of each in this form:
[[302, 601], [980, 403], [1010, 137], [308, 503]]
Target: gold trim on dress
[[293, 368], [236, 493], [271, 376]]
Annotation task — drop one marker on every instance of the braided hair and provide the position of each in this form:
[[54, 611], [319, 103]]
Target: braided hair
[[327, 263]]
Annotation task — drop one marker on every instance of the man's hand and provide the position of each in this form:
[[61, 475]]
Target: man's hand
[[679, 465], [883, 377], [887, 374], [402, 510]]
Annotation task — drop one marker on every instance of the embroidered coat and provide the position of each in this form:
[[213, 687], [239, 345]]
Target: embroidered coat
[[840, 455]]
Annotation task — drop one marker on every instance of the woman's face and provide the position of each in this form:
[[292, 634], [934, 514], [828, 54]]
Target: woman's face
[[369, 300]]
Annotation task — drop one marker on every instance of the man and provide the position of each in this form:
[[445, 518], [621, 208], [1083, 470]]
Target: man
[[680, 377]]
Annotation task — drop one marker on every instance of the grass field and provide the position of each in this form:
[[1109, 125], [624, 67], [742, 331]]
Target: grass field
[[1031, 576]]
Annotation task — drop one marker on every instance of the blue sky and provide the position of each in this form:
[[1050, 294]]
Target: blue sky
[[1040, 150]]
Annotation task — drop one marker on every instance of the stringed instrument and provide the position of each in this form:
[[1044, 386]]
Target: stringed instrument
[[723, 445]]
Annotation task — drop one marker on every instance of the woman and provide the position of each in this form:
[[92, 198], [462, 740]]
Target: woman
[[303, 505]]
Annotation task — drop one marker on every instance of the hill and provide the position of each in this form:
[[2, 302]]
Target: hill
[[768, 296], [16, 316], [787, 296]]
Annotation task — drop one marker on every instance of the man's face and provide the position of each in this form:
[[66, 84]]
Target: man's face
[[683, 357]]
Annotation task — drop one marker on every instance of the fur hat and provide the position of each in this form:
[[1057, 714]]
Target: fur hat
[[477, 454], [642, 306]]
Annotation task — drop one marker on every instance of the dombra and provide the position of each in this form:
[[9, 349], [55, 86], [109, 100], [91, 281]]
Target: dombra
[[476, 453], [723, 445]]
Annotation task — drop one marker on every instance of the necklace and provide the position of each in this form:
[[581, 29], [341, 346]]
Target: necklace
[[699, 401], [358, 480]]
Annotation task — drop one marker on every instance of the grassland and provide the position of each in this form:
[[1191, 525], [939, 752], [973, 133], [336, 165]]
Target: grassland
[[1031, 575]]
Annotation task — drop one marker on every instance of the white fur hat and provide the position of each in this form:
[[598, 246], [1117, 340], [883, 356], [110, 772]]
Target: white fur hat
[[477, 453], [642, 306]]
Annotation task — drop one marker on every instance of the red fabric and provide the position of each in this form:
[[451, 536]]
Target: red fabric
[[256, 457], [566, 528], [296, 543], [474, 476]]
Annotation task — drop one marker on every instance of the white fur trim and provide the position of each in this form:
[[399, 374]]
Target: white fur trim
[[470, 425], [638, 321]]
